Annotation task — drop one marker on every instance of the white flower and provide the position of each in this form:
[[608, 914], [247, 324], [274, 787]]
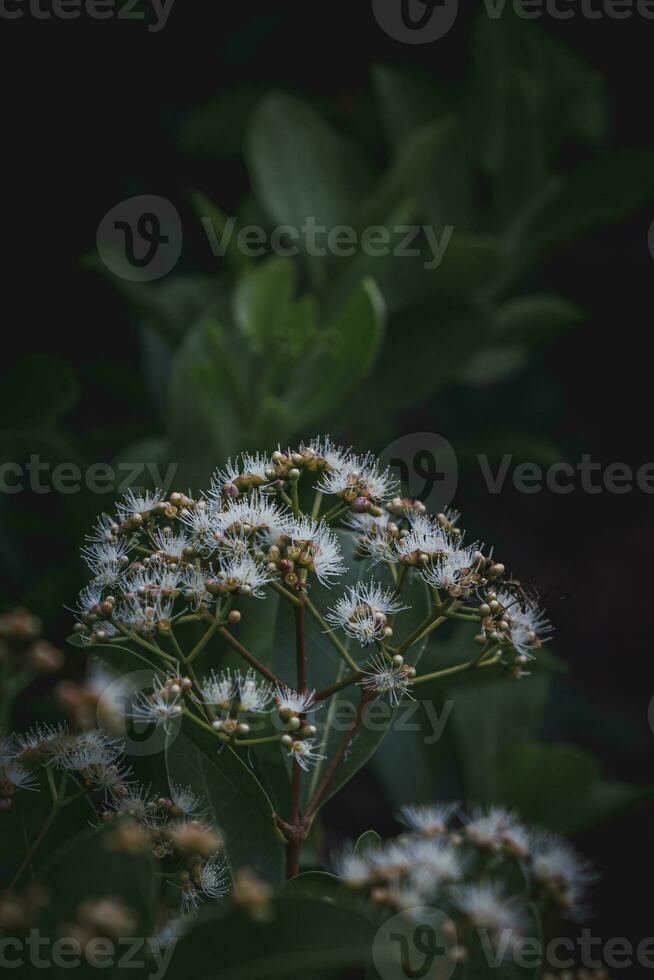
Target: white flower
[[528, 624], [326, 453], [385, 677], [171, 544], [12, 775], [223, 482], [211, 882], [162, 706], [194, 588], [89, 599], [46, 739], [106, 558], [352, 868], [358, 476], [320, 550], [244, 575], [219, 689], [144, 616], [199, 519], [253, 695], [134, 504], [186, 801], [254, 513], [487, 907], [428, 819], [454, 569], [497, 829], [565, 875], [304, 753], [377, 535], [135, 801], [295, 702], [362, 612], [105, 529], [425, 540], [96, 757], [155, 576]]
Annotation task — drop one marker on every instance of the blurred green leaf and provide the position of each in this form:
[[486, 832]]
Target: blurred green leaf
[[366, 842], [305, 937], [238, 804], [534, 319], [407, 101]]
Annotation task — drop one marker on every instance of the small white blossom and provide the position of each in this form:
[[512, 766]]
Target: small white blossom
[[144, 616], [172, 544], [219, 689], [487, 907], [134, 801], [161, 707], [429, 819], [194, 588], [190, 804], [304, 753], [425, 540], [255, 513], [453, 570], [385, 677], [244, 575], [254, 695], [295, 702], [135, 504], [106, 558], [211, 882], [358, 476], [528, 624], [497, 829], [321, 552], [362, 612], [564, 874]]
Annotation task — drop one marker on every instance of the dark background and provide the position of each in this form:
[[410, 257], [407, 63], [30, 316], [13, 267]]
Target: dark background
[[89, 109]]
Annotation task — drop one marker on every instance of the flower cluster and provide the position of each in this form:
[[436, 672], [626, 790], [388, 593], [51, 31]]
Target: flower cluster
[[464, 866]]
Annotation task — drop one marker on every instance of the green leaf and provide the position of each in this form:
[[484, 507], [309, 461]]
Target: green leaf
[[366, 842], [560, 787], [87, 867], [534, 319], [305, 936], [493, 365], [407, 101], [217, 129], [488, 717], [302, 169], [237, 802], [345, 351], [221, 233], [606, 189]]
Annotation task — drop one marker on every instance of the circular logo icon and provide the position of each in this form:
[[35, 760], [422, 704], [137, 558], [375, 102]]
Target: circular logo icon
[[121, 711], [416, 21], [419, 942], [426, 466], [140, 239]]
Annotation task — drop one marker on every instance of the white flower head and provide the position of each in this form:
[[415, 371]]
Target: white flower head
[[363, 611], [13, 776], [563, 873], [304, 753], [385, 677], [188, 803], [210, 882], [172, 544], [139, 504], [426, 540], [429, 820], [497, 829], [219, 689], [295, 702], [255, 513], [486, 905], [156, 577], [353, 868], [358, 477], [135, 801], [320, 551], [243, 575], [107, 558], [162, 706], [144, 616], [254, 695], [455, 569], [528, 624], [104, 530], [194, 588], [376, 535]]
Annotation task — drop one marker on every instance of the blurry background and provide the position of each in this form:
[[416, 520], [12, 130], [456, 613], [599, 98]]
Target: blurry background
[[530, 338]]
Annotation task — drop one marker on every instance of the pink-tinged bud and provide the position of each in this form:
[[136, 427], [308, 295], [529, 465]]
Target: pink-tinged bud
[[360, 505]]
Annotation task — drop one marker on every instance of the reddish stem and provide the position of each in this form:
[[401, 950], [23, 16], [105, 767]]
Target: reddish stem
[[251, 659]]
